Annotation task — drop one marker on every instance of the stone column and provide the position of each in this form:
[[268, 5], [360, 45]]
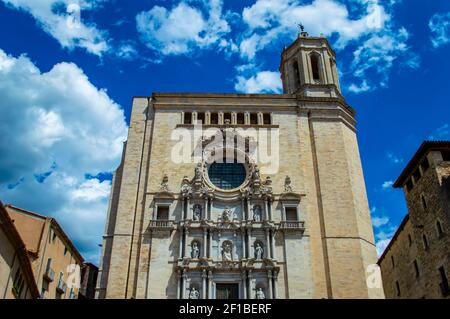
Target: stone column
[[269, 284], [266, 210], [249, 289], [205, 243], [155, 211], [249, 235], [204, 284], [246, 208], [244, 284], [183, 293], [275, 282], [210, 280], [244, 217], [186, 233], [188, 209], [179, 294], [181, 243], [205, 210], [268, 248], [272, 244], [244, 254]]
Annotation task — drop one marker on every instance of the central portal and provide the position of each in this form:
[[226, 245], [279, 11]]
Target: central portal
[[227, 291]]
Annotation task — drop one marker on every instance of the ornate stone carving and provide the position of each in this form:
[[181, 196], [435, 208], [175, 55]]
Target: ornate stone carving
[[257, 213], [287, 184], [197, 212], [259, 250], [164, 187], [260, 294], [194, 294], [186, 188], [227, 215], [198, 172], [195, 250], [227, 251]]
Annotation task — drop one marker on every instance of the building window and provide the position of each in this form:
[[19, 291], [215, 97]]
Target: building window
[[416, 268], [18, 284], [65, 251], [201, 118], [417, 175], [424, 202], [296, 74], [227, 118], [425, 242], [214, 118], [409, 239], [409, 185], [266, 118], [397, 286], [227, 175], [445, 289], [291, 213], [425, 165], [315, 67], [187, 118], [162, 213], [253, 118], [440, 232], [240, 118], [392, 260]]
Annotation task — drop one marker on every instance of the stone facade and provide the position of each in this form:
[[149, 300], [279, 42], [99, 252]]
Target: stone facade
[[294, 233], [416, 264]]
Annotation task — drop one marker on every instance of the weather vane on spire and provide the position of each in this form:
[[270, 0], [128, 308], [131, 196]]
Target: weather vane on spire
[[301, 27]]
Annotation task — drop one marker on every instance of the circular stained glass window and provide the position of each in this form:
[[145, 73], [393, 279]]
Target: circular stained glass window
[[227, 175]]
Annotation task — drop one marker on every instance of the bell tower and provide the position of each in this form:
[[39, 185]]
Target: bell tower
[[308, 68]]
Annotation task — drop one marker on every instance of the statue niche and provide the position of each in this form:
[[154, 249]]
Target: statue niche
[[195, 249], [194, 294], [227, 251], [257, 213], [259, 250], [197, 212]]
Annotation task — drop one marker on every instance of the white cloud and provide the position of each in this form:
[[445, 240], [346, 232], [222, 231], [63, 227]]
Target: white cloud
[[380, 221], [262, 82], [381, 245], [387, 185], [183, 28], [393, 158], [272, 20], [56, 128], [439, 25], [441, 133], [62, 20]]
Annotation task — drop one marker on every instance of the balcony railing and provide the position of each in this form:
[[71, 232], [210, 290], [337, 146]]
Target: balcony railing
[[49, 274], [292, 225], [61, 287], [161, 224]]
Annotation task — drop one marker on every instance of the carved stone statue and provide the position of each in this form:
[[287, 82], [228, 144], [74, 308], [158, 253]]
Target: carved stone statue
[[227, 251], [287, 184], [259, 250], [257, 215], [198, 172], [164, 184], [255, 174], [195, 250], [227, 215], [186, 188], [194, 294], [260, 294], [197, 212]]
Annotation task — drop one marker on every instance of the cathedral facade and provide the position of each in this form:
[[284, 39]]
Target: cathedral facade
[[221, 218]]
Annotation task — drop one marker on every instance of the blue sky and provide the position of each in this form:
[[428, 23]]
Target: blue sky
[[68, 71]]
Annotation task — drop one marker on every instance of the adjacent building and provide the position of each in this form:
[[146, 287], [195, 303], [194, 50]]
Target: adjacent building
[[416, 263], [89, 274], [220, 223], [16, 275], [51, 253]]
